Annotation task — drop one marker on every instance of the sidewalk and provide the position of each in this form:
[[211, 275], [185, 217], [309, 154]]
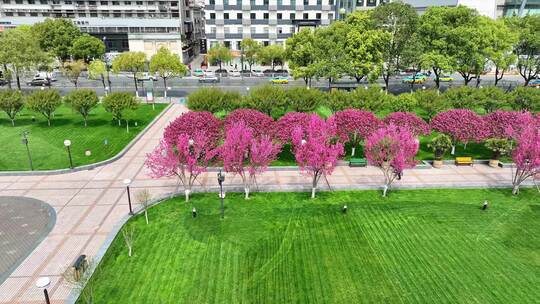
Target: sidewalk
[[89, 203]]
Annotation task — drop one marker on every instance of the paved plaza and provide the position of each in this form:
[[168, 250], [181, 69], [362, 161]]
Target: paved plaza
[[89, 204]]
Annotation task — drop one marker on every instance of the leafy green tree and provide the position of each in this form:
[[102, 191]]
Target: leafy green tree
[[98, 70], [219, 54], [82, 101], [370, 98], [462, 97], [338, 100], [499, 147], [11, 102], [271, 100], [525, 99], [300, 53], [57, 36], [20, 51], [500, 43], [213, 100], [301, 99], [492, 98], [332, 62], [131, 62], [413, 57], [119, 104], [166, 65], [249, 50], [400, 21], [430, 103], [527, 48], [87, 48], [72, 70], [272, 54], [45, 102], [405, 102]]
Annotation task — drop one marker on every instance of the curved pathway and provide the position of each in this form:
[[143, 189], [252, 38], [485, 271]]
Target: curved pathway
[[90, 203]]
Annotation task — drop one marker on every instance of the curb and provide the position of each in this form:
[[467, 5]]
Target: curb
[[94, 165]]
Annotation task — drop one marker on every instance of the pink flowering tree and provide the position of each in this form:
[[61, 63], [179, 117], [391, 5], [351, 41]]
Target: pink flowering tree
[[244, 154], [507, 124], [285, 126], [410, 121], [316, 149], [259, 123], [461, 125], [182, 156], [392, 149], [191, 123], [354, 126], [526, 157]]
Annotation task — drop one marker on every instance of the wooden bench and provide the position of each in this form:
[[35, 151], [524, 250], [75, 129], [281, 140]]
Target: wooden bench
[[357, 162], [464, 161]]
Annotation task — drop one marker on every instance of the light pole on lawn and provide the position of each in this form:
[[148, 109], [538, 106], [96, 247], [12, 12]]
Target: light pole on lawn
[[67, 143], [25, 142], [127, 182], [221, 179], [43, 283]]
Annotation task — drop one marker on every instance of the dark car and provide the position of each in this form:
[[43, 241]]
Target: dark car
[[222, 72], [2, 82], [282, 72], [39, 82]]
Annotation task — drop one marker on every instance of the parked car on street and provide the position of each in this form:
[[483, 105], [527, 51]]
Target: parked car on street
[[257, 73], [209, 77], [446, 78], [534, 83], [198, 73], [39, 82], [418, 78], [279, 80], [234, 73]]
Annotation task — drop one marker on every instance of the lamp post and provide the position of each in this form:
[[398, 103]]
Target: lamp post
[[25, 142], [43, 283], [221, 179], [127, 182], [67, 143]]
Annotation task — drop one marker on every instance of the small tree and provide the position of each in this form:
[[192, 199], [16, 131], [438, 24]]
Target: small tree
[[354, 126], [461, 125], [166, 65], [499, 147], [249, 48], [144, 197], [246, 155], [272, 54], [72, 70], [98, 70], [44, 102], [11, 102], [131, 62], [82, 101], [87, 48], [315, 149], [259, 123], [440, 144], [405, 102], [526, 157], [525, 99], [118, 104], [269, 99], [182, 156], [410, 121], [507, 124], [192, 123], [286, 125], [392, 149], [430, 103], [301, 99], [129, 238], [219, 54]]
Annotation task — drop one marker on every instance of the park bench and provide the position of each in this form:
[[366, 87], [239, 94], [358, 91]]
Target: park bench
[[464, 161], [79, 267], [357, 162]]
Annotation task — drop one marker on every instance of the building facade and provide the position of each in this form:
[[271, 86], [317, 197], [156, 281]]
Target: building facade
[[122, 25]]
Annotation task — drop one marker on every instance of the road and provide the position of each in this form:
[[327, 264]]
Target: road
[[181, 87]]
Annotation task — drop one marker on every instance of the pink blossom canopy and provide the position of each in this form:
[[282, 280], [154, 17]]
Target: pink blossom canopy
[[393, 146], [462, 125], [408, 120], [505, 124], [259, 123], [352, 123], [526, 156], [287, 123], [192, 122]]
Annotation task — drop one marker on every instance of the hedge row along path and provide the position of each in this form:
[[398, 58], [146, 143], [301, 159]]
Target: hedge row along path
[[90, 203]]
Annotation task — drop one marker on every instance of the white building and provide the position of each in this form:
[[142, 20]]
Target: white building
[[122, 25]]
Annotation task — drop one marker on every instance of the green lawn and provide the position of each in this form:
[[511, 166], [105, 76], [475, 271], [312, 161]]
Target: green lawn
[[417, 246], [46, 143]]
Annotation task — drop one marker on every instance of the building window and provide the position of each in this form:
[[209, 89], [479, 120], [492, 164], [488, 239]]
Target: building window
[[104, 3], [212, 2], [93, 14], [139, 2], [319, 2], [212, 16], [293, 2], [127, 2], [279, 30], [293, 16], [253, 16], [359, 3], [318, 16], [115, 3], [330, 16], [265, 16], [306, 2], [306, 16], [32, 14], [226, 16], [68, 2], [279, 2], [279, 16], [266, 43], [6, 1], [21, 14], [226, 2], [239, 16], [371, 2], [9, 14], [265, 2], [31, 2]]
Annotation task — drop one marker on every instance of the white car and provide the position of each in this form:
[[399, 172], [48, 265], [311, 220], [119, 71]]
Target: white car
[[257, 73], [234, 73], [209, 77], [146, 77]]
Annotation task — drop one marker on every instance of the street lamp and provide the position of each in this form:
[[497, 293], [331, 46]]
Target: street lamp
[[25, 142], [221, 179], [67, 143], [43, 283], [127, 182]]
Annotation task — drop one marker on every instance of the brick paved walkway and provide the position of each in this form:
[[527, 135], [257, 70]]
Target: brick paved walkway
[[89, 204]]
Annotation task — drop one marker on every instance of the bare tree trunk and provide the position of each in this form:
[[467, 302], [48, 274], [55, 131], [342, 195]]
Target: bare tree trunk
[[314, 185], [136, 86], [165, 87]]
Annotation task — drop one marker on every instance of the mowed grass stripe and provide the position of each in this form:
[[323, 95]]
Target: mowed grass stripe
[[428, 246]]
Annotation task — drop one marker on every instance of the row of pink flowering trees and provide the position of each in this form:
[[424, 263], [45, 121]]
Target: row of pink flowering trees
[[247, 141]]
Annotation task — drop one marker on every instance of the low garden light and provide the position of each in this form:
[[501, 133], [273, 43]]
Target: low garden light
[[25, 142], [67, 143], [221, 179], [127, 182], [43, 283]]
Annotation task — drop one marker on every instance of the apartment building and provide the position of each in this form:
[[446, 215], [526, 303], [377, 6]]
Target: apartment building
[[123, 25]]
